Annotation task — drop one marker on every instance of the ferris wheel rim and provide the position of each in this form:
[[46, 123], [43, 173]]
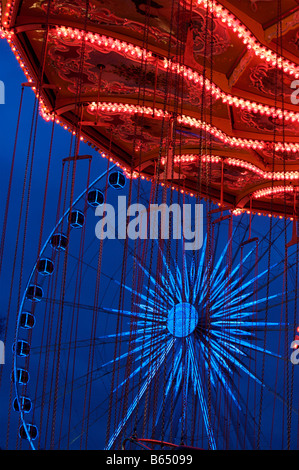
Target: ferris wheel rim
[[17, 396]]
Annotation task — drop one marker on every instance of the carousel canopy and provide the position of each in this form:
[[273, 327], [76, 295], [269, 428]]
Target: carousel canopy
[[200, 95]]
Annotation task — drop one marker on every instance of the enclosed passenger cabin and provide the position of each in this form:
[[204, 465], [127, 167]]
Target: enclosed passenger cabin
[[117, 180], [27, 320], [77, 219], [34, 293], [45, 266], [59, 241], [95, 198]]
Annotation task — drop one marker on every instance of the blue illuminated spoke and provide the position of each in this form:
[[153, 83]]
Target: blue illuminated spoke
[[171, 327]]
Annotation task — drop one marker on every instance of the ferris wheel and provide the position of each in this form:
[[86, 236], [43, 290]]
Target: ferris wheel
[[153, 344]]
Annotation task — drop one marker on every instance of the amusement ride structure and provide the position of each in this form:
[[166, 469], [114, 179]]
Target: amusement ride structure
[[142, 343]]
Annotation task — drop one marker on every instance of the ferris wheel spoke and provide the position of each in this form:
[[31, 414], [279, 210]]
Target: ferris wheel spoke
[[215, 367], [153, 370], [150, 349], [161, 291], [242, 422], [223, 379], [71, 304], [236, 294], [68, 345], [150, 317], [138, 295], [239, 308], [201, 395], [225, 357], [169, 397], [231, 343], [76, 384], [197, 280], [250, 252], [219, 273], [169, 279], [78, 430], [187, 280], [174, 380], [128, 335]]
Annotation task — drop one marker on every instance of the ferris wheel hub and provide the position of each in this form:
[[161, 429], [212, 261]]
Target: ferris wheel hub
[[182, 320]]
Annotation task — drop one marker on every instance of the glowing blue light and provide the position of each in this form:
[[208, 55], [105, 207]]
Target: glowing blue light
[[167, 319], [182, 320]]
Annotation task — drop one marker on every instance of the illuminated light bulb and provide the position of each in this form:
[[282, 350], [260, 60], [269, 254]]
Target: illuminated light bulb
[[187, 72]]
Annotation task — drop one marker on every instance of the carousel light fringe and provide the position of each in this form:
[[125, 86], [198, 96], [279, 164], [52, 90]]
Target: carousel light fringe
[[232, 141], [114, 107], [192, 122], [248, 39], [276, 175], [130, 50], [128, 108], [232, 23], [272, 191], [106, 42], [8, 13]]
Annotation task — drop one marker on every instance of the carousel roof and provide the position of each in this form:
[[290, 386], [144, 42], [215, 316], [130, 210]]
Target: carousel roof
[[200, 94]]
